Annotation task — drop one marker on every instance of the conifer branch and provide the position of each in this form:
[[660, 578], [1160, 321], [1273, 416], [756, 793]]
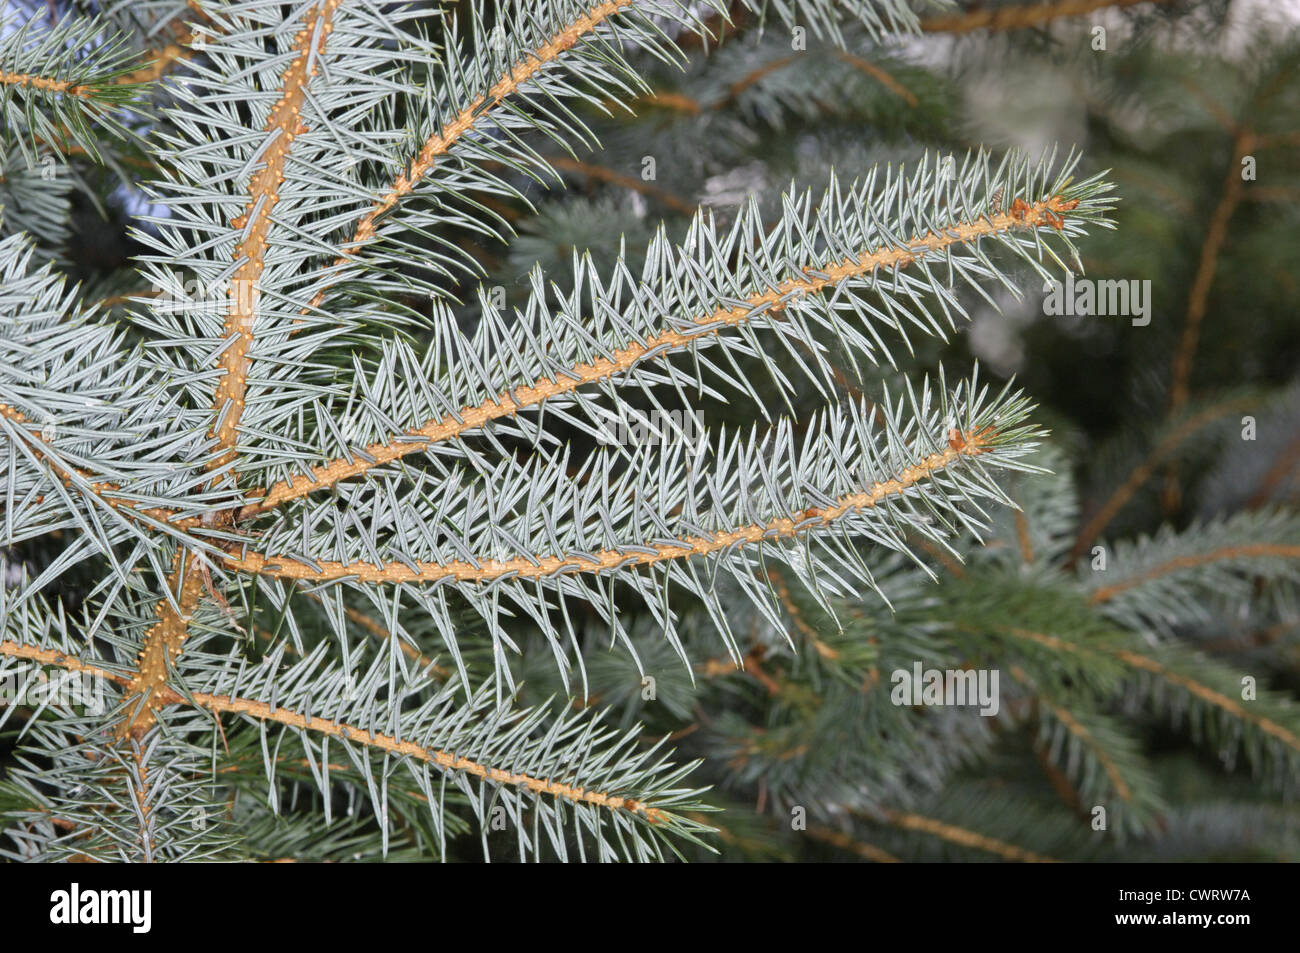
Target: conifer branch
[[262, 711], [60, 81], [282, 127], [180, 49], [1023, 538], [1019, 17], [103, 489], [1216, 234], [438, 144], [880, 75], [686, 104], [163, 59], [164, 642], [444, 760], [45, 84], [961, 836], [159, 62], [139, 785], [1080, 731], [1144, 663], [59, 659], [1046, 212], [843, 841], [548, 566], [1277, 474], [479, 450], [751, 664], [754, 76], [1209, 695], [675, 101], [380, 632], [1222, 554], [1059, 782], [603, 174], [801, 624], [1144, 470]]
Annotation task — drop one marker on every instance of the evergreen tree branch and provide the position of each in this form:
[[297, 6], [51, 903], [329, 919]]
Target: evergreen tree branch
[[751, 665], [801, 624], [1174, 439], [58, 659], [59, 82], [1023, 538], [477, 451], [686, 104], [378, 631], [1276, 476], [603, 174], [1222, 554], [304, 721], [1085, 737], [104, 489], [678, 102], [445, 760], [960, 836], [92, 436], [1019, 17], [1059, 782], [182, 47], [164, 642], [161, 60], [282, 127], [1210, 696], [1216, 234], [1172, 579], [482, 119], [1151, 666], [439, 143], [834, 838], [881, 76], [546, 566], [139, 784], [1045, 212], [45, 84]]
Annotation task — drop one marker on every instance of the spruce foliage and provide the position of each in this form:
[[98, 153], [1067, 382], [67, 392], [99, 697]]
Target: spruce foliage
[[378, 497]]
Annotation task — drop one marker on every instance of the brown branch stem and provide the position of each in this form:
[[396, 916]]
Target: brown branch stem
[[164, 641]]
